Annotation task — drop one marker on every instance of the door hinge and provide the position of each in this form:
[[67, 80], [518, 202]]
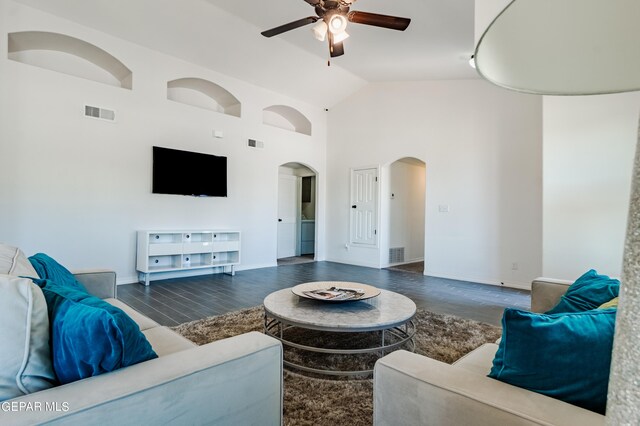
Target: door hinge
[[376, 178], [375, 232]]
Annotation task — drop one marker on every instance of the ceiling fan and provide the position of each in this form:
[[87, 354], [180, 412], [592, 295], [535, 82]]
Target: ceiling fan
[[332, 19]]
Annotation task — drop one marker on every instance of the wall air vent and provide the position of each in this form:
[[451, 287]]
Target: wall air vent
[[252, 143], [99, 113], [396, 255]]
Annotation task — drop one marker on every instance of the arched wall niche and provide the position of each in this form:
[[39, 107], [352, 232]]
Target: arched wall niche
[[203, 93], [286, 117], [68, 55]]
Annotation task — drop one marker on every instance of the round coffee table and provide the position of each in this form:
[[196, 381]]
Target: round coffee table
[[389, 313]]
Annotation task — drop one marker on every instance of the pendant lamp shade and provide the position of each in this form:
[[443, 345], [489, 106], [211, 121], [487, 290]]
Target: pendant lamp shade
[[563, 47]]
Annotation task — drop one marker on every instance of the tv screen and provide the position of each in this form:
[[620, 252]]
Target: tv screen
[[188, 173]]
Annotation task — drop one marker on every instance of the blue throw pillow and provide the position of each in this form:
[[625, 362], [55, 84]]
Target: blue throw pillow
[[564, 356], [48, 268], [587, 292], [89, 336]]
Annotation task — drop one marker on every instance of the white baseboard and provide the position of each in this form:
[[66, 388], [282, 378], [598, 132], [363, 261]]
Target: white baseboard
[[256, 266], [518, 285], [173, 274], [389, 265], [189, 273], [365, 264], [126, 280], [197, 272]]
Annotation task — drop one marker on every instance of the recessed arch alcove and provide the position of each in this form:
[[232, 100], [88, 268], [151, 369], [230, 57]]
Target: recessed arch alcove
[[203, 93], [68, 55], [286, 117]]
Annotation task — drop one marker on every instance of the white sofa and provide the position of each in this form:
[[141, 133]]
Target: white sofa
[[235, 381], [411, 389]]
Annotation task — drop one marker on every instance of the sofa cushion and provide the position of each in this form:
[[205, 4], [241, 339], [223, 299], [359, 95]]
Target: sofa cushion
[[565, 356], [90, 336], [14, 262], [143, 322], [587, 292], [25, 358], [165, 341], [479, 360], [48, 268]]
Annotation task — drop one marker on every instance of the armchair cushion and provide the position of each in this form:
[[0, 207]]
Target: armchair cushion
[[564, 356], [587, 292], [89, 335]]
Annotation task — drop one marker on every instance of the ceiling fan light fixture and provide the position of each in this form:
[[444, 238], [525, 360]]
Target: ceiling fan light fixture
[[320, 30], [340, 37], [331, 19], [337, 23]]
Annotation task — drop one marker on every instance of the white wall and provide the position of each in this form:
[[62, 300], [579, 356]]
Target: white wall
[[79, 188], [402, 215], [589, 144], [483, 150], [484, 14]]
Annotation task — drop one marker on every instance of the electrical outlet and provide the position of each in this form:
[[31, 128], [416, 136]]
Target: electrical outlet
[[514, 266]]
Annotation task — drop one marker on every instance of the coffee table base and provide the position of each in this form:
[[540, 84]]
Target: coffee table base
[[404, 333]]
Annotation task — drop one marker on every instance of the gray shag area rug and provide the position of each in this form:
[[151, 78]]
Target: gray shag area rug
[[310, 400]]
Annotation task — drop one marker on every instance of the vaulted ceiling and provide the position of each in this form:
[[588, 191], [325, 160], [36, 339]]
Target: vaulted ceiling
[[224, 35]]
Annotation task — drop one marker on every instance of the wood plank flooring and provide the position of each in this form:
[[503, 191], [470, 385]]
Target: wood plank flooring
[[172, 302]]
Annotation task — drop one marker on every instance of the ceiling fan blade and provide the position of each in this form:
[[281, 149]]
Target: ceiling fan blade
[[313, 2], [290, 26], [384, 21], [335, 49]]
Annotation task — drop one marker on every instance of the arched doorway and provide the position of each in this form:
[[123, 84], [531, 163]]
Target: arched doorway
[[296, 219], [403, 195]]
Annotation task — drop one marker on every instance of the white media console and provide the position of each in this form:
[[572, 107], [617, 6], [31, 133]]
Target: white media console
[[169, 251]]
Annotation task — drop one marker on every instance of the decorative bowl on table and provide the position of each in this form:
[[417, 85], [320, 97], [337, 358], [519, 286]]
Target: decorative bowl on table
[[335, 291]]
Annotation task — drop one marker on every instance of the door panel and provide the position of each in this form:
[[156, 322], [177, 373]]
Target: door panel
[[287, 215], [364, 206]]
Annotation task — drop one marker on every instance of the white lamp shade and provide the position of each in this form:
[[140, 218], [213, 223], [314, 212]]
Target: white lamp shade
[[340, 37], [337, 23], [563, 47], [319, 30]]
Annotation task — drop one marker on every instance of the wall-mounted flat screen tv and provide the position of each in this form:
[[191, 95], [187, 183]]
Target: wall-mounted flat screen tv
[[188, 173]]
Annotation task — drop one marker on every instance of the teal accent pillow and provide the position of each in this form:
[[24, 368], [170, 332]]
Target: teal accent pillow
[[89, 336], [587, 292], [48, 268], [564, 356]]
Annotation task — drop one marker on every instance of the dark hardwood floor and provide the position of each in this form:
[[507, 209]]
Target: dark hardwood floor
[[174, 301]]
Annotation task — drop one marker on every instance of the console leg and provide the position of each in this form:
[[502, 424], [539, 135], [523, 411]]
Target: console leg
[[143, 278], [231, 272]]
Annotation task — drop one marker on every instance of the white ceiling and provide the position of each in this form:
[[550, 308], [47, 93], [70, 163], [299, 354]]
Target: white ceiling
[[224, 35]]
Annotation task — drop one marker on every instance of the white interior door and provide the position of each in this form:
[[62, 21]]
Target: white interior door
[[364, 206], [287, 215]]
